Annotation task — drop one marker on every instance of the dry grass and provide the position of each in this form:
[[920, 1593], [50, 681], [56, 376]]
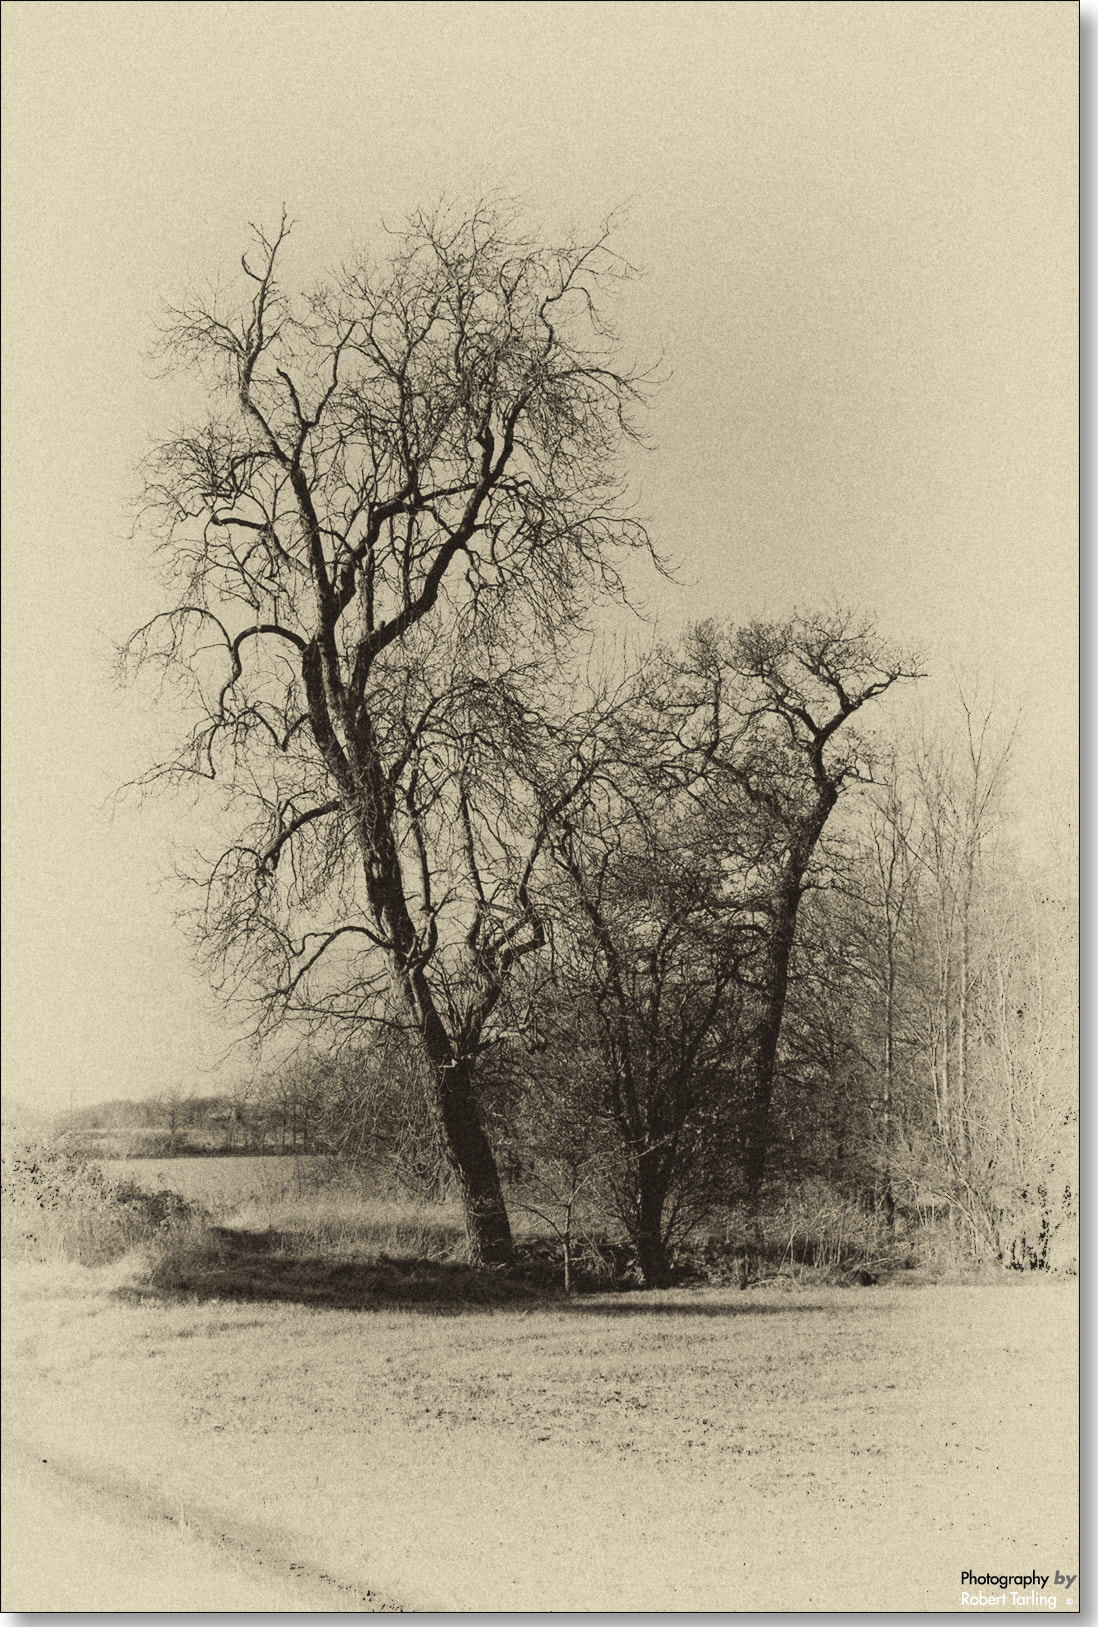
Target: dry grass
[[325, 1391], [296, 1229], [224, 1185], [338, 1223], [308, 1206], [58, 1207], [711, 1449], [383, 1264]]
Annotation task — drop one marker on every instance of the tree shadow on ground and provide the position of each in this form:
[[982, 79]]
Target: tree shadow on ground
[[280, 1267], [653, 1305]]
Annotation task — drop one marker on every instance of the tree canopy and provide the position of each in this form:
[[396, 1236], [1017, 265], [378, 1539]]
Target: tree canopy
[[399, 508]]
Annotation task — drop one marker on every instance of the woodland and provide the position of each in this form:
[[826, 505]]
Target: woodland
[[635, 933]]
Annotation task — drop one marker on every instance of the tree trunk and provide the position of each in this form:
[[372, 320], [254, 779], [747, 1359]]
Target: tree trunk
[[655, 1267], [451, 1082], [757, 1133], [763, 1069], [764, 1043], [487, 1227], [963, 1003], [887, 1196], [450, 1073]]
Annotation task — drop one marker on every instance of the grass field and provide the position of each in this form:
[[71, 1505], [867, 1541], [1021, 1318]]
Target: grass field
[[780, 1448], [222, 1184]]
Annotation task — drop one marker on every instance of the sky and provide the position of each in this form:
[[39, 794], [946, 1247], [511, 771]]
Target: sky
[[858, 226]]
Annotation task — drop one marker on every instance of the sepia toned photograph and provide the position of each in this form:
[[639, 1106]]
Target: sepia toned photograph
[[541, 784]]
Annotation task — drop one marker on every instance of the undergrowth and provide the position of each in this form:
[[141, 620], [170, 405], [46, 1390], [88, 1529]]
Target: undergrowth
[[335, 1241], [56, 1206]]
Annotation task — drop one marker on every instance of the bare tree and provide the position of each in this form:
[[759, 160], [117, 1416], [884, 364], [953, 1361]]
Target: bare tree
[[570, 1151], [765, 743], [959, 786], [826, 1087], [177, 1109], [643, 947], [1022, 1188], [374, 1114], [995, 996], [942, 978], [693, 813], [398, 510]]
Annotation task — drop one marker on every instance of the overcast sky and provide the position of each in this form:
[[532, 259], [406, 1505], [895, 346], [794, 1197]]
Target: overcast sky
[[858, 223]]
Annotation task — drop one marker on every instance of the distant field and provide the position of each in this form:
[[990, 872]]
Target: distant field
[[300, 1195], [219, 1183]]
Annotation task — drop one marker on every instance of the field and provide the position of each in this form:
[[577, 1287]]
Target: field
[[322, 1444], [224, 1184]]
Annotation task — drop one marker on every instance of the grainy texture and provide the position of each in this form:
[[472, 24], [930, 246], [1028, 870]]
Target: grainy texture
[[829, 1449]]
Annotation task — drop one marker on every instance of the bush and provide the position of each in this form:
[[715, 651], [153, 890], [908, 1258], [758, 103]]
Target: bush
[[57, 1205]]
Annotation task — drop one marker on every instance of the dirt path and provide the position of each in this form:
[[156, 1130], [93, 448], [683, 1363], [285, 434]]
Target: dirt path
[[74, 1543], [708, 1451]]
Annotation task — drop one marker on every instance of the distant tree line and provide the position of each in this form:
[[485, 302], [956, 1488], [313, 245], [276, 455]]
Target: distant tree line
[[262, 1117]]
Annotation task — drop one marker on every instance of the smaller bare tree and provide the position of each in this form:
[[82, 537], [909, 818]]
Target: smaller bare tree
[[567, 1139], [177, 1112]]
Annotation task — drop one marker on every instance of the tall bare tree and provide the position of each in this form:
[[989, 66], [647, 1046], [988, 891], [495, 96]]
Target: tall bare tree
[[689, 830], [763, 717], [996, 1002], [403, 499], [959, 785]]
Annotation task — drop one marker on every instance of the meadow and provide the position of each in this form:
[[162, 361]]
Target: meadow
[[340, 1412], [223, 1185]]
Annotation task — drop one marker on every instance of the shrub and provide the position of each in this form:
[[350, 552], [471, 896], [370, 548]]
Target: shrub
[[57, 1205]]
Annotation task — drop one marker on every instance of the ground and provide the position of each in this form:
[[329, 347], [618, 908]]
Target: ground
[[780, 1448]]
